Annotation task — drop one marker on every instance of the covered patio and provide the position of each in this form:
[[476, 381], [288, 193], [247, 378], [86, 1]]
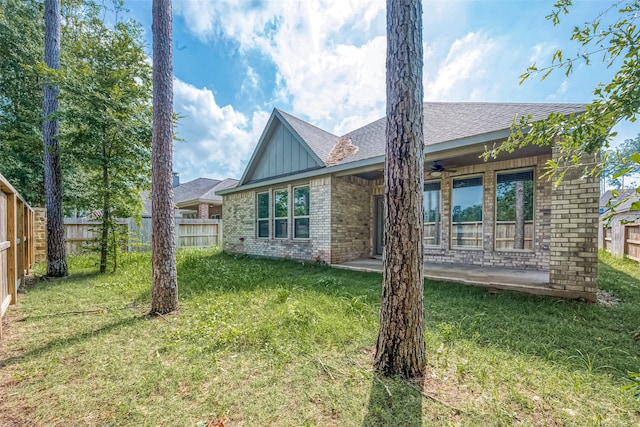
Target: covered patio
[[510, 279]]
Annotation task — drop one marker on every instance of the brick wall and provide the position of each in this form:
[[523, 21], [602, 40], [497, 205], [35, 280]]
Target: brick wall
[[40, 234], [574, 235], [351, 219], [239, 213], [564, 242]]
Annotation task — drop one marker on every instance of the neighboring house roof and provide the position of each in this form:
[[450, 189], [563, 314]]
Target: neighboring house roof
[[199, 190], [446, 125], [620, 203], [223, 185], [193, 190]]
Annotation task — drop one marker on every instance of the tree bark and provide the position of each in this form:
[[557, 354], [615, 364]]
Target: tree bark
[[56, 252], [164, 291], [106, 214], [518, 240], [400, 348]]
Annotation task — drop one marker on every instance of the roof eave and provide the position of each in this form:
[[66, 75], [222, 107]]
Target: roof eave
[[197, 201], [452, 145]]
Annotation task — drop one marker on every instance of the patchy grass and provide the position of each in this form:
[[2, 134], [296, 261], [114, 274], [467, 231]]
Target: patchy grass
[[263, 342]]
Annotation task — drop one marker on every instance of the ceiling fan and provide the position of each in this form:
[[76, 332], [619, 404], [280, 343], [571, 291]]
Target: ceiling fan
[[437, 169]]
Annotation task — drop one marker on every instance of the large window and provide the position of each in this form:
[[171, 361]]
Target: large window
[[301, 212], [263, 214], [432, 201], [514, 210], [466, 213], [277, 209], [281, 213]]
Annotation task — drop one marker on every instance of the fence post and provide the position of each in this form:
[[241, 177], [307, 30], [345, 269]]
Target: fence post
[[219, 242], [12, 251], [177, 223]]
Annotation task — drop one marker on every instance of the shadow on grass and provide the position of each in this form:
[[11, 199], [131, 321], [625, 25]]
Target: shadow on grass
[[392, 402], [44, 282], [69, 341], [580, 335]]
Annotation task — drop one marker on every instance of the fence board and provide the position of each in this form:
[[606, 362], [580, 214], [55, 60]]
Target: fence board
[[190, 233], [16, 241], [632, 242]]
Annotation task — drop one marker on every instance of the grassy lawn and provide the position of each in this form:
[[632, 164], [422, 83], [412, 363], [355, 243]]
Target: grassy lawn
[[262, 342]]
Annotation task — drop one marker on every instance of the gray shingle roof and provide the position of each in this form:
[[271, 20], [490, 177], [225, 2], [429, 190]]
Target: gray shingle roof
[[193, 190], [198, 189], [449, 121], [622, 202], [320, 141], [223, 185]]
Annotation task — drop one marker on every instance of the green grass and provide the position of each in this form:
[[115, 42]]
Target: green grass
[[262, 342]]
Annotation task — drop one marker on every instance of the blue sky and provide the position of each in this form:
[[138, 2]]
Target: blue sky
[[324, 61]]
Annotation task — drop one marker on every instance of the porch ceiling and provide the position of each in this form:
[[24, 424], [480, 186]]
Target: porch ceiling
[[461, 158]]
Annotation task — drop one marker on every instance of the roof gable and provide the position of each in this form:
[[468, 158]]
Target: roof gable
[[285, 148]]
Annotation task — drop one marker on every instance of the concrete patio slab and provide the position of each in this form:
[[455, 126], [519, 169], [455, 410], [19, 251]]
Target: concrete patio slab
[[529, 281]]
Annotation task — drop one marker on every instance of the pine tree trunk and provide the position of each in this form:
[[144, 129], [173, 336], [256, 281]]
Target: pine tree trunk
[[518, 241], [401, 349], [56, 252], [164, 291], [106, 215]]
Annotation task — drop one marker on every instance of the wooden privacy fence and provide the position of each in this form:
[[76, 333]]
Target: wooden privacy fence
[[190, 233], [16, 244], [621, 240], [632, 241]]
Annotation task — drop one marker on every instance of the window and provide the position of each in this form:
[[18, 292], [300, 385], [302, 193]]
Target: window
[[466, 213], [514, 210], [301, 212], [281, 213], [432, 201], [263, 215], [278, 208]]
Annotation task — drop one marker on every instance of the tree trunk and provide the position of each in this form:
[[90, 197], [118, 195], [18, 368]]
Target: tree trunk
[[400, 348], [164, 291], [518, 240], [106, 215], [56, 253]]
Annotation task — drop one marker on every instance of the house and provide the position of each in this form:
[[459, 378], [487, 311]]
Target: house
[[196, 199], [619, 231], [308, 194]]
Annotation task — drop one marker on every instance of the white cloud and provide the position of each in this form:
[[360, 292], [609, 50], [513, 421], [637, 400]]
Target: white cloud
[[329, 54], [218, 139], [329, 57], [468, 61]]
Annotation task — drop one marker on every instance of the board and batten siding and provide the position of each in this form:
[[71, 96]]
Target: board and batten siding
[[283, 154]]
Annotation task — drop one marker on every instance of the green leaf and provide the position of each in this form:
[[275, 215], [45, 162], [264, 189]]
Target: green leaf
[[635, 158], [622, 172]]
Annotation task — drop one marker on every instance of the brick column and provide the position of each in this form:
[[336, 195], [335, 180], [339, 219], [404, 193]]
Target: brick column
[[40, 234], [573, 263], [203, 211]]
